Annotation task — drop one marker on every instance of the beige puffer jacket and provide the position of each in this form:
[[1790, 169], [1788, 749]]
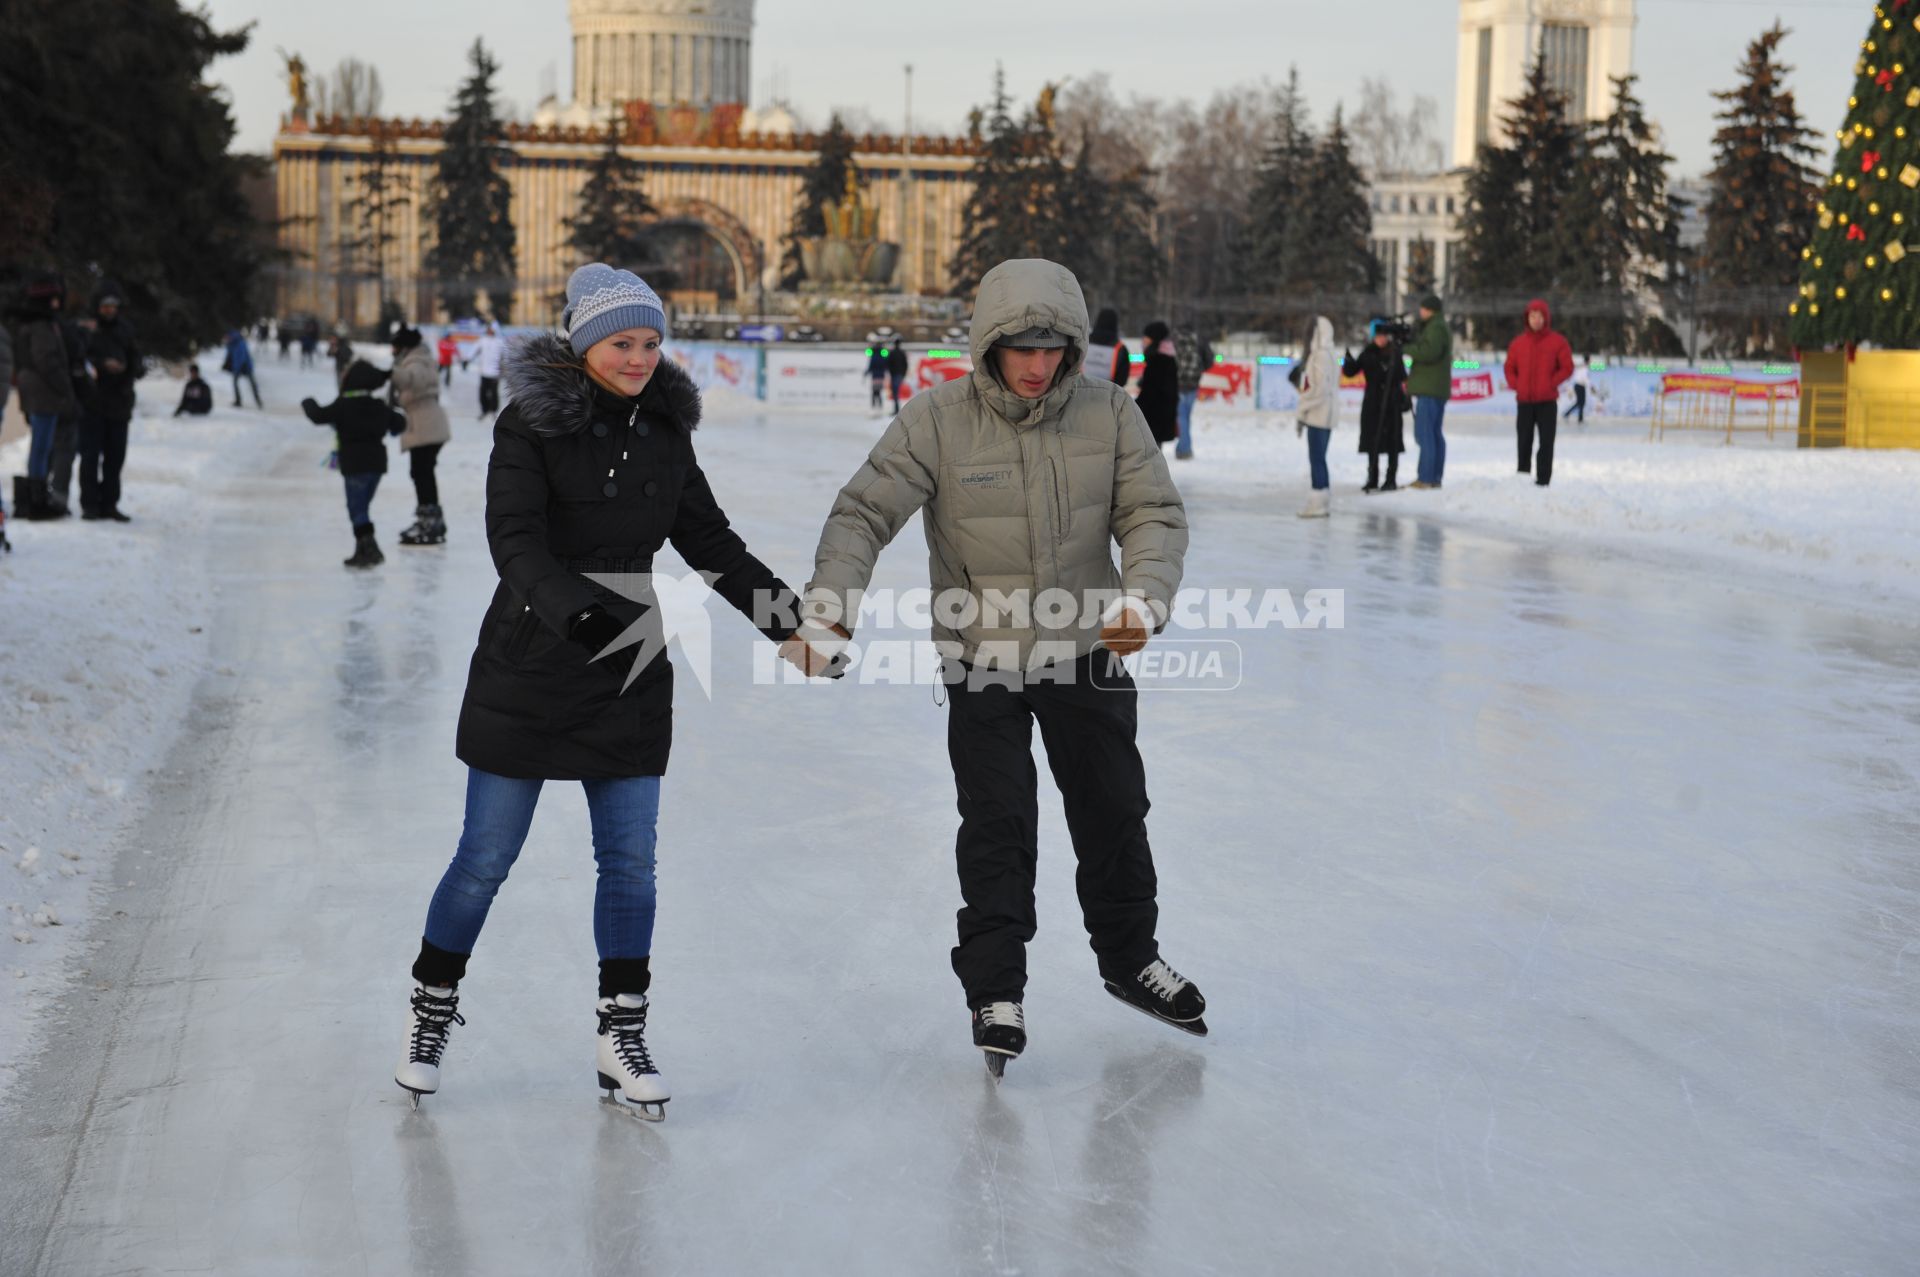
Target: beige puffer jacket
[[416, 392], [1021, 496]]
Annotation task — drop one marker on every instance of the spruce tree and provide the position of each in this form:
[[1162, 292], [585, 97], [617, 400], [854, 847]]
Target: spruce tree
[[474, 245], [1105, 231], [1423, 276], [128, 174], [1858, 280], [994, 223], [1342, 277], [614, 211], [1761, 207], [1515, 242], [1621, 229], [825, 183], [1277, 248]]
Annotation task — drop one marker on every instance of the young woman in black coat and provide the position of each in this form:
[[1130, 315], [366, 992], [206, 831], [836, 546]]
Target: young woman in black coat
[[1384, 408], [592, 471], [1160, 384]]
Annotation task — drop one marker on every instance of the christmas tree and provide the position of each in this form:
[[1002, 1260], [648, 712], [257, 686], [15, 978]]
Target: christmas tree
[[1860, 273]]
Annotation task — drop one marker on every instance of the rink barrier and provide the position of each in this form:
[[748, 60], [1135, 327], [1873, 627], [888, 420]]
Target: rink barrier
[[1724, 405], [833, 375]]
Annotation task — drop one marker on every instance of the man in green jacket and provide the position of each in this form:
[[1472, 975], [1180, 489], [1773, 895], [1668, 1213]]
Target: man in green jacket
[[1430, 382], [1026, 474]]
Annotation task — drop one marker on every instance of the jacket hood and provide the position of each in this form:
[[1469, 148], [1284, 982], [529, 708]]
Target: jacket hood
[[1545, 310], [363, 376], [550, 386], [1027, 292], [1106, 328], [1322, 334]]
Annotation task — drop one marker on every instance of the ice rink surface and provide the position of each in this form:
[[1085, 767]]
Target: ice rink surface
[[1561, 914]]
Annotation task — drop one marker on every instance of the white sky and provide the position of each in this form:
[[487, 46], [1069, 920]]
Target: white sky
[[850, 53]]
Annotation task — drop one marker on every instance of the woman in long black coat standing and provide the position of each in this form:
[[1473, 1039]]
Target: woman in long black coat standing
[[592, 471], [1159, 398], [1383, 410]]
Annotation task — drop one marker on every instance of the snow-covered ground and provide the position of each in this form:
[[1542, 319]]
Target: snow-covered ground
[[1556, 914]]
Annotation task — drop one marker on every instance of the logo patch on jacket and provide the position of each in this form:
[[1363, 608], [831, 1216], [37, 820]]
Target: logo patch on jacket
[[985, 478]]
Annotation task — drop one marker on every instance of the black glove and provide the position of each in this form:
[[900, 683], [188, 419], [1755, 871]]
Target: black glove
[[594, 628]]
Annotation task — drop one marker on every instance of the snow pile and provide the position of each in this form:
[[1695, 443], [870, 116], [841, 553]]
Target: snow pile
[[1846, 519], [102, 639]]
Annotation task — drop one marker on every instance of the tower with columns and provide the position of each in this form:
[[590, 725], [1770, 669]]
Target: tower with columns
[[1584, 44], [665, 52]]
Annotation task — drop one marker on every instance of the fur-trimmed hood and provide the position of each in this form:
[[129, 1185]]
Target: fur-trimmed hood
[[549, 385]]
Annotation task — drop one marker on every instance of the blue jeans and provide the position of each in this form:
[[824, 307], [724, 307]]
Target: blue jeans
[[1184, 448], [360, 490], [1317, 440], [40, 450], [1428, 413], [500, 811]]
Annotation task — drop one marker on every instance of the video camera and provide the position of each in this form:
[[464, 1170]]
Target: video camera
[[1397, 327]]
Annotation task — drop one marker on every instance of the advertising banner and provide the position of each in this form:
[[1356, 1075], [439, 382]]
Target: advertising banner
[[799, 376]]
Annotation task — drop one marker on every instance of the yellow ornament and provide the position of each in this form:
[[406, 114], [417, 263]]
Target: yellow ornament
[[1874, 209], [1886, 294], [1896, 250], [1814, 309], [1910, 176], [1840, 292], [1898, 218], [1869, 134], [1881, 172], [1826, 219], [1794, 309], [1871, 263], [1843, 219]]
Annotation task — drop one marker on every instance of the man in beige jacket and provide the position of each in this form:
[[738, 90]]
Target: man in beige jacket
[[1027, 473]]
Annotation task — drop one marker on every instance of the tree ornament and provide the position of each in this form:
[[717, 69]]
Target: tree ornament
[[1868, 161], [1910, 176], [1895, 250]]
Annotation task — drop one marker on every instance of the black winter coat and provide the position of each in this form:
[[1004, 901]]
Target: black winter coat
[[1160, 395], [113, 341], [360, 420], [584, 481], [1384, 408]]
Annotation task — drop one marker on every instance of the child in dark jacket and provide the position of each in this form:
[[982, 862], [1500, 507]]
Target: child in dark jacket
[[361, 424]]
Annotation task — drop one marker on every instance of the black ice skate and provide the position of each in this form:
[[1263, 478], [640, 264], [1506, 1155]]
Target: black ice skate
[[1164, 994], [625, 1065], [434, 1013], [1000, 1031], [429, 527]]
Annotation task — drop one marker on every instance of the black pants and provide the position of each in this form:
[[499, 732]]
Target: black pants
[[426, 490], [247, 377], [1545, 418], [1087, 723], [103, 450], [1373, 469], [446, 374], [489, 394], [1580, 404]]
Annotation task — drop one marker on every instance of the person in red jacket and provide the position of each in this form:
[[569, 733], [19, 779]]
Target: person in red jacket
[[446, 350], [1539, 362]]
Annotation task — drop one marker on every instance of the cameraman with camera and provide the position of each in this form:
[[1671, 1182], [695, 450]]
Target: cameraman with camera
[[1430, 382], [1384, 408]]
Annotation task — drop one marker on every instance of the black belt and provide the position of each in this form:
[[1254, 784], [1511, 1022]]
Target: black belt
[[608, 565]]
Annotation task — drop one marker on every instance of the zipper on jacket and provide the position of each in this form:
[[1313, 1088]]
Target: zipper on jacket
[[1059, 489]]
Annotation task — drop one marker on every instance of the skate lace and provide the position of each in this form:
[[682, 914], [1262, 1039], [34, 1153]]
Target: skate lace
[[1163, 979], [628, 1027], [433, 1019], [1007, 1014]]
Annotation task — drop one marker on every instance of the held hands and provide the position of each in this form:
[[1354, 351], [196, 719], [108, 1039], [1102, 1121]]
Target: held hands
[[1129, 624], [814, 649]]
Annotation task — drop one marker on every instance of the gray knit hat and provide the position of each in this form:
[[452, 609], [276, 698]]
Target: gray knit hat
[[602, 301]]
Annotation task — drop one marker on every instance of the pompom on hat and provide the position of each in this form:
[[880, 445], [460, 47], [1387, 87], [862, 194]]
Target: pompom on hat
[[602, 300]]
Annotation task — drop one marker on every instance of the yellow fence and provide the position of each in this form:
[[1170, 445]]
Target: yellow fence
[[1823, 417], [1727, 411]]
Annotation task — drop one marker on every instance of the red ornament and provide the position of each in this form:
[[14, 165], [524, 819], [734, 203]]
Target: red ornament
[[1854, 232], [1869, 161], [1885, 80]]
